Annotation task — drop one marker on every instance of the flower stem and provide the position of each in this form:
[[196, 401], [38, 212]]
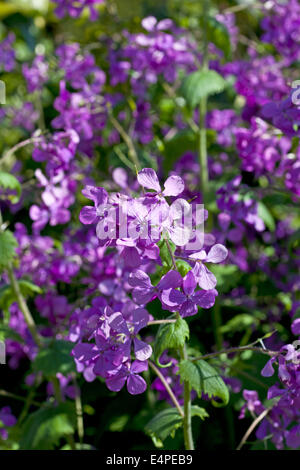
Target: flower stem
[[167, 387], [128, 141], [171, 254], [202, 116], [187, 419], [160, 322], [238, 349], [79, 412], [252, 427], [23, 306]]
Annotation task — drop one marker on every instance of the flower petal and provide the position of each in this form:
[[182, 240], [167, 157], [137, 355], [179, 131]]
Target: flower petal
[[189, 283], [170, 280], [205, 278], [148, 179], [268, 370], [174, 186], [140, 279], [136, 384], [142, 350], [205, 298], [217, 254]]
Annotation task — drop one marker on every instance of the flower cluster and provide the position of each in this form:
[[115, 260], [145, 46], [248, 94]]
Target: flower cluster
[[74, 8]]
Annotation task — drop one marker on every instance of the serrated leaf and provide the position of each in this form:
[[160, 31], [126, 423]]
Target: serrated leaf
[[204, 379], [164, 424], [44, 428], [201, 84], [55, 358], [198, 411], [8, 181], [169, 336], [8, 245]]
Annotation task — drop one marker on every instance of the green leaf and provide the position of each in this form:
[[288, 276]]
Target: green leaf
[[7, 332], [55, 358], [198, 411], [170, 335], [183, 267], [44, 428], [8, 245], [239, 323], [294, 240], [218, 34], [201, 84], [164, 253], [29, 289], [203, 378], [264, 213], [8, 181], [7, 295], [164, 424]]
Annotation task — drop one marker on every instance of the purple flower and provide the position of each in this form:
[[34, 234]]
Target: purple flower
[[129, 374], [187, 301], [203, 275], [36, 75], [144, 291], [99, 196], [130, 330], [74, 8], [7, 420], [173, 186], [7, 54]]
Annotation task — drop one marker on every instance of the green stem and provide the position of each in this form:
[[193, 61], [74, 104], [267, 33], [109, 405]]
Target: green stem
[[128, 141], [160, 322], [238, 349], [202, 115], [58, 397], [187, 419], [23, 306], [21, 300], [4, 393], [171, 254], [79, 412]]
